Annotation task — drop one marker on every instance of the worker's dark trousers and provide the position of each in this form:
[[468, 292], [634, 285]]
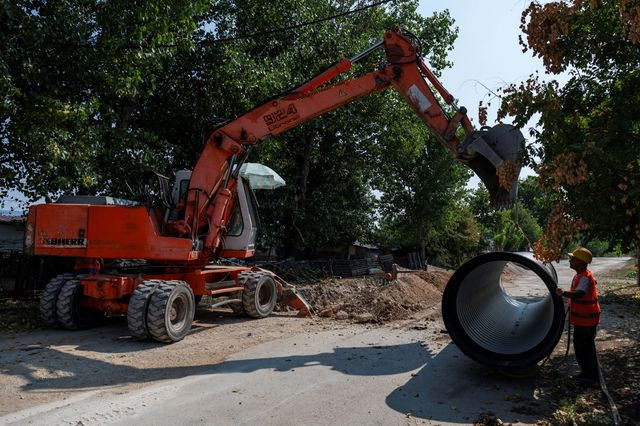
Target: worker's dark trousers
[[585, 348]]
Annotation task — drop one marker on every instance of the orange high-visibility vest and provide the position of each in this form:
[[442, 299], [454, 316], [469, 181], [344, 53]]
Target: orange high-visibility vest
[[585, 311]]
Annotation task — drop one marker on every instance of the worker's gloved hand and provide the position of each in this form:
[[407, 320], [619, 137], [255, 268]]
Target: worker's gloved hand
[[559, 291]]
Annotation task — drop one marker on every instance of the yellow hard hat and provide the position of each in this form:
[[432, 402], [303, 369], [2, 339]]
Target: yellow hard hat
[[583, 254]]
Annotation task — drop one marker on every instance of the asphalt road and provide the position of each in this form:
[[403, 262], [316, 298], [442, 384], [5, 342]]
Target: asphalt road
[[356, 376], [402, 374], [528, 284], [598, 266]]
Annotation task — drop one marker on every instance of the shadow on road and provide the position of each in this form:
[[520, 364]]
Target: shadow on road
[[452, 388], [447, 386], [48, 368], [53, 359]]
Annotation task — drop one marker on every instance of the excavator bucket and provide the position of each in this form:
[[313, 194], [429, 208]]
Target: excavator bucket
[[493, 153]]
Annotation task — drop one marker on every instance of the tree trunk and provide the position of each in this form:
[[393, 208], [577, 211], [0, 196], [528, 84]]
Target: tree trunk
[[420, 236], [295, 239], [306, 165], [638, 266]]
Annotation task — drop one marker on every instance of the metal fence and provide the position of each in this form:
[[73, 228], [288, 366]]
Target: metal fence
[[305, 271], [22, 275]]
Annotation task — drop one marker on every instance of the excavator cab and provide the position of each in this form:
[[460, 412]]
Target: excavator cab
[[240, 240], [179, 193], [244, 221]]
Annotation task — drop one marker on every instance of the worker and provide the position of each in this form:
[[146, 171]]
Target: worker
[[584, 313], [388, 279]]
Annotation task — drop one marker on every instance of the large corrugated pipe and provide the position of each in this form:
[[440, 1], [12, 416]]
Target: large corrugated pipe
[[501, 310]]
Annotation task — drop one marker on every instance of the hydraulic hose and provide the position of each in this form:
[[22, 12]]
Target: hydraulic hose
[[501, 310]]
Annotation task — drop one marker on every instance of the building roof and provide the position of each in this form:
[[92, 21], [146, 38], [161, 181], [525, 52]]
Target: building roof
[[367, 246], [10, 218]]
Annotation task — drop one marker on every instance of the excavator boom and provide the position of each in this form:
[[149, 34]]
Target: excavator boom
[[491, 152]]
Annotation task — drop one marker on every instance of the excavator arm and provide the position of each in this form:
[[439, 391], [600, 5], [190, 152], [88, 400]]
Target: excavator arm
[[212, 187]]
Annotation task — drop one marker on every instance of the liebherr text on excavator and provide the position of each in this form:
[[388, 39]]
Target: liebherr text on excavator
[[210, 213]]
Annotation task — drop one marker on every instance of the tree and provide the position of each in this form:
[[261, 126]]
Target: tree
[[588, 148], [538, 201], [418, 187], [332, 161], [480, 205], [75, 80], [510, 229], [96, 94], [456, 239]]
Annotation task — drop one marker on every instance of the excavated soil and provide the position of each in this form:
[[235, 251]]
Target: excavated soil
[[369, 299]]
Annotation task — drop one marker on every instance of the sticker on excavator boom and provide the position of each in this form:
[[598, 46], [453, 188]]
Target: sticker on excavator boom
[[418, 98]]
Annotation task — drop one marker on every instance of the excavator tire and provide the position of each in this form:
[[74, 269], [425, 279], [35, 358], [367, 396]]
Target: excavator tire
[[260, 295], [49, 299], [237, 307], [171, 311], [70, 314], [137, 310]]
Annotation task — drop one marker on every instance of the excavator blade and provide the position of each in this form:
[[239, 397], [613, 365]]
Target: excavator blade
[[290, 297], [493, 153]]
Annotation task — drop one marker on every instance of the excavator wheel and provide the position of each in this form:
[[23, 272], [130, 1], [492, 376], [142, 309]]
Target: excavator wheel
[[260, 295], [237, 307], [70, 314], [49, 299], [171, 311], [137, 310]]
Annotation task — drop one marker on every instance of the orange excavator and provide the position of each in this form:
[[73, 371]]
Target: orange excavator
[[166, 252]]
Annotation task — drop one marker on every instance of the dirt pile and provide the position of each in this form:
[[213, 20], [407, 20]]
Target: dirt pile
[[367, 299]]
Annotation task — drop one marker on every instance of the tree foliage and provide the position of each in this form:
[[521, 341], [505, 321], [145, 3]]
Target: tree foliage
[[538, 201], [94, 94], [588, 150], [456, 239], [420, 181], [512, 229], [76, 81]]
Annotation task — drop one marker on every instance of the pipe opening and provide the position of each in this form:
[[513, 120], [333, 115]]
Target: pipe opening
[[501, 310]]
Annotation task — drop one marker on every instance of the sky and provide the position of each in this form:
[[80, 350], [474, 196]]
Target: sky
[[486, 53]]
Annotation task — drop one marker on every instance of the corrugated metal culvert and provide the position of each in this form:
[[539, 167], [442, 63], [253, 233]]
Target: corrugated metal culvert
[[500, 309]]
